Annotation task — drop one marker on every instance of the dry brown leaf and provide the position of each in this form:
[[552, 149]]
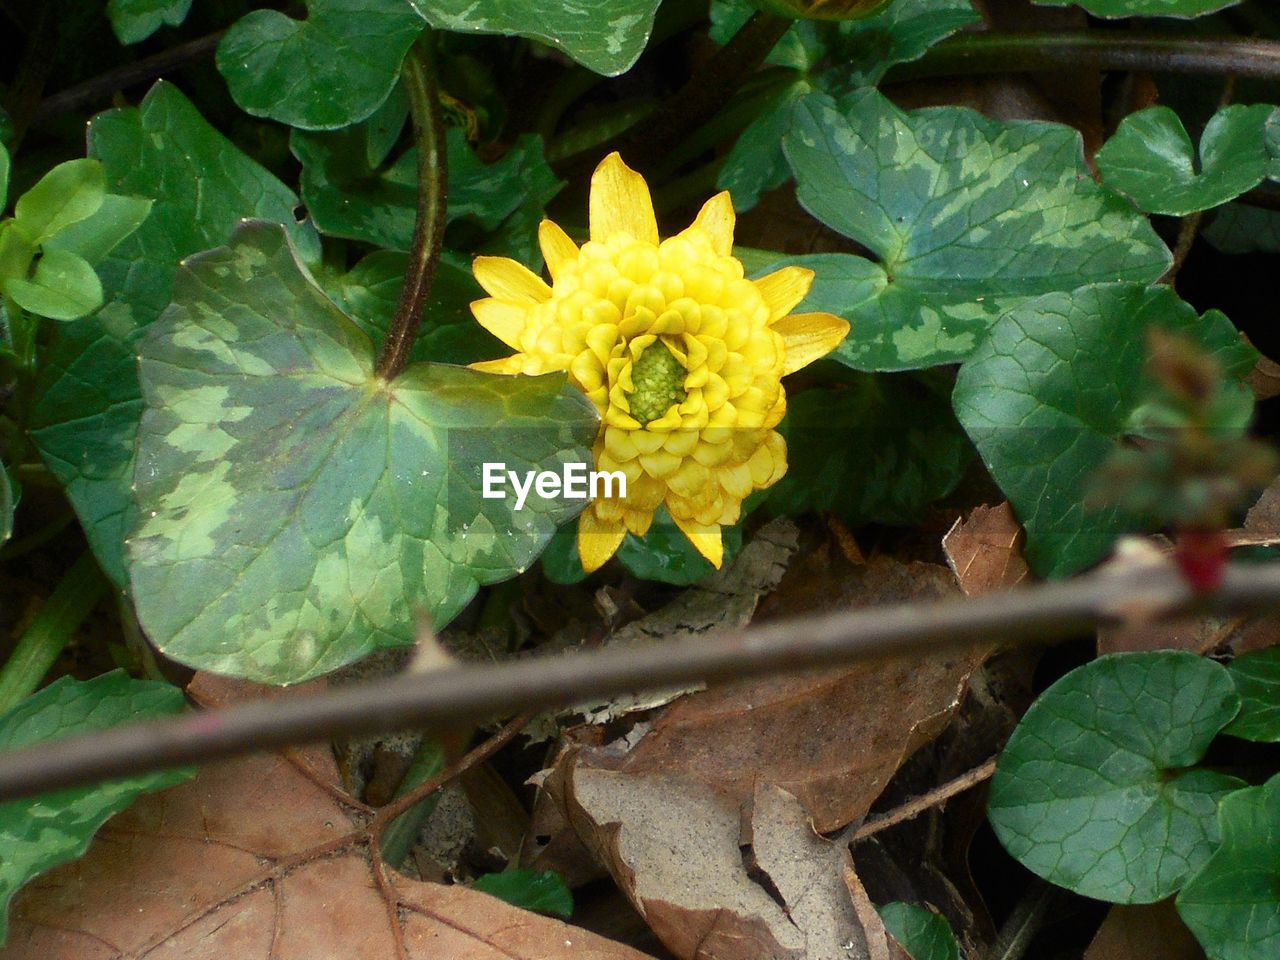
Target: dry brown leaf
[[1144, 932], [1265, 379], [673, 846], [1262, 522], [266, 857], [984, 550]]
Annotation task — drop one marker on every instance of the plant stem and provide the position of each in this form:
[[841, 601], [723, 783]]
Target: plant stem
[[38, 647], [401, 833], [706, 92], [458, 694], [428, 228], [993, 52]]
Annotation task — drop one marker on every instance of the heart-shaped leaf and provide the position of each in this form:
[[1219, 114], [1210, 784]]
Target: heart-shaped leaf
[[67, 194], [1152, 160], [607, 36], [38, 833], [1144, 8], [331, 70], [135, 20], [1093, 790], [925, 935], [63, 286], [1051, 392], [86, 420], [968, 216], [1233, 904], [298, 511], [1257, 679]]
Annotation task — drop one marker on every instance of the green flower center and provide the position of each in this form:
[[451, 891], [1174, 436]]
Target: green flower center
[[659, 382]]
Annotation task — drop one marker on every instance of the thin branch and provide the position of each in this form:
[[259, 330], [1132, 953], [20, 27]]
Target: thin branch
[[918, 805], [100, 88], [428, 228], [995, 52], [471, 692]]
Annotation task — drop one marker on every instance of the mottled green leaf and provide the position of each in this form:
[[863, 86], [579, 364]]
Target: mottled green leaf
[[605, 35], [1144, 8], [347, 198], [1050, 393], [370, 291], [1096, 790], [135, 20], [1152, 161], [86, 420], [96, 236], [541, 892], [968, 216], [830, 57], [38, 833], [298, 512], [331, 70], [67, 194], [1257, 679], [1233, 904], [925, 935], [63, 286], [877, 449]]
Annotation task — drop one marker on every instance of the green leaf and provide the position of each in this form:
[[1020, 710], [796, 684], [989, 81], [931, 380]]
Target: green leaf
[[38, 833], [924, 934], [1051, 392], [67, 194], [541, 892], [1095, 790], [1257, 680], [86, 419], [756, 163], [96, 236], [298, 512], [4, 177], [1144, 8], [606, 36], [7, 504], [1152, 161], [1233, 904], [331, 70], [902, 32], [1240, 228], [968, 216], [347, 198], [135, 20], [370, 291], [1270, 139], [63, 287], [877, 449]]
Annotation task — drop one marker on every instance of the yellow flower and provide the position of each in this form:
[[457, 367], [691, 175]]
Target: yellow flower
[[682, 356]]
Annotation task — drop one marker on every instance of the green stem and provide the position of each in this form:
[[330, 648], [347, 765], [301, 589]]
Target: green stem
[[993, 52], [402, 833], [428, 229], [38, 647]]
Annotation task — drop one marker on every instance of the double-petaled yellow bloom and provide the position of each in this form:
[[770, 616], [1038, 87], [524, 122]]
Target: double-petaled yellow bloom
[[682, 356]]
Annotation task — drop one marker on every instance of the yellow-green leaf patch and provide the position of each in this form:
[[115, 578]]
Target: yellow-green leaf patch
[[298, 512]]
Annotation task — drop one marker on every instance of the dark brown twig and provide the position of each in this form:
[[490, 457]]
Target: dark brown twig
[[471, 692]]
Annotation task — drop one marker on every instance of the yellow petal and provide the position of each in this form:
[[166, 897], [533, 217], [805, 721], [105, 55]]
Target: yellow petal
[[620, 203], [783, 289], [704, 537], [508, 280], [598, 540], [557, 249], [809, 336], [716, 218], [503, 319], [507, 365]]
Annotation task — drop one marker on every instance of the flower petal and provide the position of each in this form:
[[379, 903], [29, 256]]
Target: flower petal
[[704, 537], [809, 336], [717, 219], [508, 280], [783, 289], [506, 365], [598, 540], [620, 203], [505, 320], [557, 249]]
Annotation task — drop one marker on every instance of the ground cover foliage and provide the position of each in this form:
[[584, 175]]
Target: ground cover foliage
[[231, 469]]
